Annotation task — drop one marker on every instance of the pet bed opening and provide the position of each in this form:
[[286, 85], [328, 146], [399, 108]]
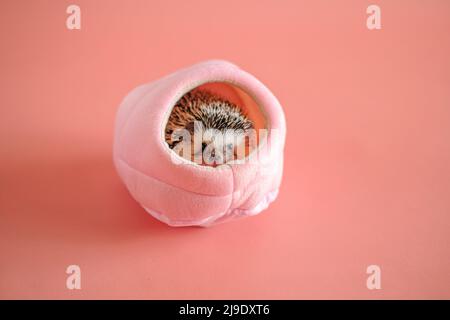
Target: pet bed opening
[[240, 111]]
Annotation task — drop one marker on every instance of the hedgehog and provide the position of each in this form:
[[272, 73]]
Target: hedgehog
[[218, 124]]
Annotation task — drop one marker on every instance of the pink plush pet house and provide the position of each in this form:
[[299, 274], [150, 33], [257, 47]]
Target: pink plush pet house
[[184, 193]]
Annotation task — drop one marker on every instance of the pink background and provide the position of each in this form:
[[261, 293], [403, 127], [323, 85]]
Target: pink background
[[367, 169]]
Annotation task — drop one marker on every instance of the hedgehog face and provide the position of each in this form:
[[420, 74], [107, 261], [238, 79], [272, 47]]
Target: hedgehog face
[[219, 147], [213, 129]]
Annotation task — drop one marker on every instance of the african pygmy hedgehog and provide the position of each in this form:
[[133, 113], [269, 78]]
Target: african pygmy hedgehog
[[201, 112]]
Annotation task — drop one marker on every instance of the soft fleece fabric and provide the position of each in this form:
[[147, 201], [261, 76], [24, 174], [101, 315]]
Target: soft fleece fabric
[[189, 194]]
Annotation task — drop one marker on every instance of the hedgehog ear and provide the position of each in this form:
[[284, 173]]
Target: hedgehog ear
[[190, 127], [194, 126]]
